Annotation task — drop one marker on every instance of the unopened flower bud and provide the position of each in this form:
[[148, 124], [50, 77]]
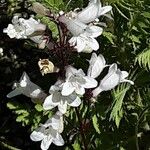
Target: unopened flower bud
[[39, 9]]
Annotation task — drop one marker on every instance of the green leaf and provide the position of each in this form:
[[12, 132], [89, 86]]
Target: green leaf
[[38, 107], [12, 105], [109, 36], [146, 14], [95, 124], [135, 39], [55, 4], [51, 25], [144, 58], [76, 146], [118, 96]]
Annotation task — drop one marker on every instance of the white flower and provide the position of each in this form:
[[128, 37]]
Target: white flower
[[97, 64], [112, 79], [1, 51], [74, 26], [83, 35], [27, 88], [22, 28], [10, 30], [49, 132], [77, 81], [57, 99], [92, 11], [86, 42]]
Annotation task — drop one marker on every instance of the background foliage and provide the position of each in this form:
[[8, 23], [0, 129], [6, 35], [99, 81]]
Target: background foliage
[[119, 119]]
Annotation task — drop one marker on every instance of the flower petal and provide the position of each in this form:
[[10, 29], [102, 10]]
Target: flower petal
[[80, 43], [97, 64], [37, 135], [93, 31], [76, 102], [129, 81], [62, 107], [58, 140], [104, 10], [75, 26], [48, 103], [46, 142], [15, 92], [90, 82], [70, 71], [110, 81], [79, 90], [124, 74], [88, 14], [93, 44], [67, 89]]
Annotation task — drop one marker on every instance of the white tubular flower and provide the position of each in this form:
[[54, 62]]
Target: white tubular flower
[[76, 81], [22, 28], [73, 25], [86, 41], [27, 88], [97, 64], [111, 80], [83, 35], [49, 132], [57, 99], [84, 44], [92, 11]]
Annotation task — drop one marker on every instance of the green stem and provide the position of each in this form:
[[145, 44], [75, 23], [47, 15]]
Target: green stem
[[6, 146]]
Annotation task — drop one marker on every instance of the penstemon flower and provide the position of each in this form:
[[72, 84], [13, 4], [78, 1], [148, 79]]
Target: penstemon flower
[[86, 41], [111, 80], [49, 132], [57, 99], [27, 88], [26, 28], [83, 35], [22, 28], [97, 64], [76, 81], [92, 11]]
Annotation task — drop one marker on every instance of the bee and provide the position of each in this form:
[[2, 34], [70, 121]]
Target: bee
[[47, 66]]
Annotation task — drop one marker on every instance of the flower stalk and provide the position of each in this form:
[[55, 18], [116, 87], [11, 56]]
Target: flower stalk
[[81, 129]]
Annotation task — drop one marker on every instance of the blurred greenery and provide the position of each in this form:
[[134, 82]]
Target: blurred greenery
[[119, 119]]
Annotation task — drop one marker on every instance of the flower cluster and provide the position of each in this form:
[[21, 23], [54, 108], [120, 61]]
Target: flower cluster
[[49, 132], [26, 28], [81, 26], [72, 83]]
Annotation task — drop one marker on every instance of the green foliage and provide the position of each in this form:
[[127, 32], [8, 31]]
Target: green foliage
[[95, 124], [118, 97], [38, 107], [76, 146], [144, 58], [55, 5], [109, 36], [51, 25], [26, 115]]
